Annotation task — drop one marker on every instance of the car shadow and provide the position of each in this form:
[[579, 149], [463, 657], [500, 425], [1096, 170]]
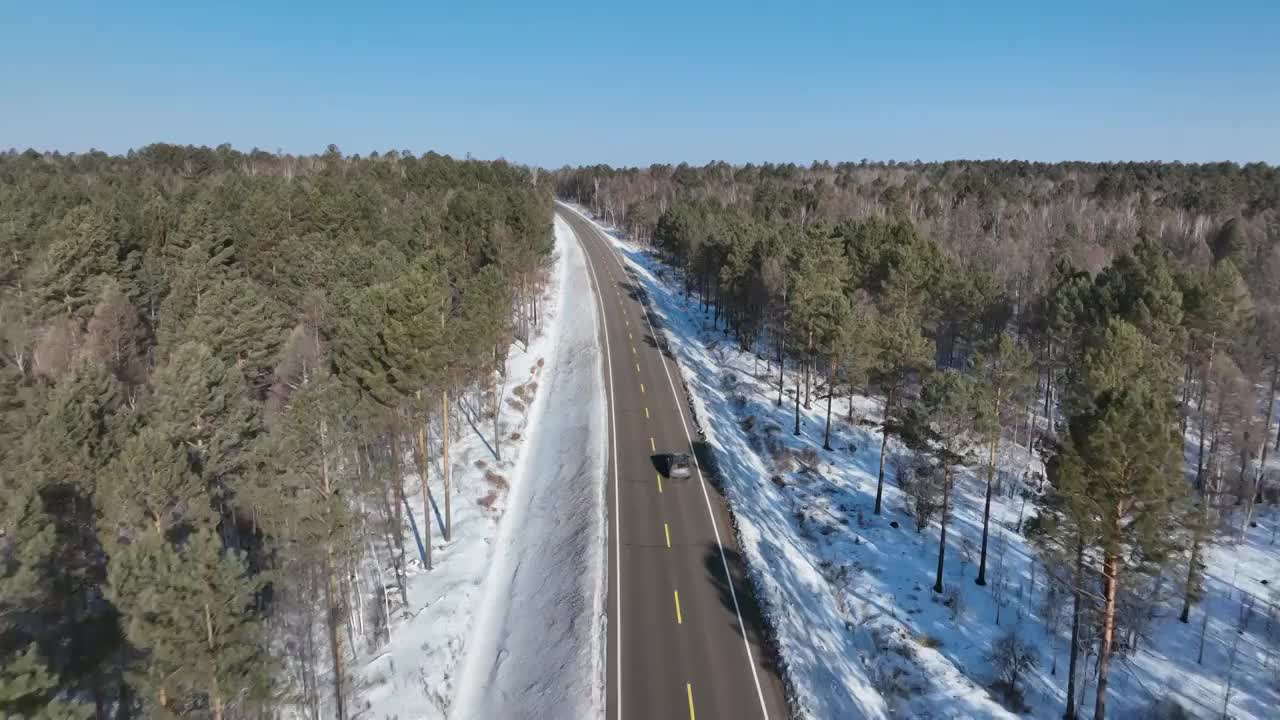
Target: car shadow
[[661, 463]]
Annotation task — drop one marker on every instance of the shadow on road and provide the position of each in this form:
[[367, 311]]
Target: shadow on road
[[746, 606], [661, 463]]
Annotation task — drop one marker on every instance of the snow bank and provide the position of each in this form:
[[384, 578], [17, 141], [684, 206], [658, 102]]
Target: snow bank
[[516, 553], [849, 598], [537, 650]]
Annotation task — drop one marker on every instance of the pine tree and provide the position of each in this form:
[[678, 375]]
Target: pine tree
[[151, 488], [201, 256], [485, 319], [29, 548], [85, 425], [1219, 306], [361, 353], [28, 687], [1140, 287], [416, 335], [951, 414], [1197, 522], [1005, 373], [83, 254], [117, 338], [819, 310], [201, 404], [901, 352], [202, 241], [81, 431], [1118, 471], [849, 352], [312, 517], [191, 610], [233, 316], [1062, 314]]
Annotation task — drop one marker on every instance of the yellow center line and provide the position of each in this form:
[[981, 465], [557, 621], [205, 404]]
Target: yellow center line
[[659, 484], [646, 413], [689, 689], [679, 617], [666, 530], [641, 388], [652, 445], [633, 350], [629, 337], [637, 367]]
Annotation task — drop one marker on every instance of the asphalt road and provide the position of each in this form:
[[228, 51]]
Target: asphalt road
[[684, 633]]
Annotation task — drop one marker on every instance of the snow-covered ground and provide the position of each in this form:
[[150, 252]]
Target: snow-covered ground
[[519, 590], [538, 648], [849, 597]]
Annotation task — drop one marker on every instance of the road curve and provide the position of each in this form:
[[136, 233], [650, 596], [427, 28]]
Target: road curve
[[685, 635]]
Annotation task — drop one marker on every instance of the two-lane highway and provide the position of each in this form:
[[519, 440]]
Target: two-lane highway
[[684, 634]]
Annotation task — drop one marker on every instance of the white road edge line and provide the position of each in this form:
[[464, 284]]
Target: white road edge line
[[617, 518], [701, 482]]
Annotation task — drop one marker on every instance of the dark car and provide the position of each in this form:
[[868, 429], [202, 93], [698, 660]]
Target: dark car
[[681, 466]]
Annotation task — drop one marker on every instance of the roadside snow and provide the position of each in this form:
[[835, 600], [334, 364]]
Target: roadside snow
[[515, 553], [537, 649], [849, 598]]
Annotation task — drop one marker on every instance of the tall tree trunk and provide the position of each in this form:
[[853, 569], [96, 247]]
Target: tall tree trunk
[[448, 489], [781, 370], [1271, 404], [1077, 599], [123, 704], [986, 507], [1240, 482], [397, 482], [831, 380], [1110, 584], [797, 404], [389, 529], [331, 608], [1187, 375], [1276, 447], [884, 444], [1048, 388], [215, 694], [497, 412], [942, 537], [1204, 393], [426, 499], [808, 363], [715, 316], [1188, 595], [335, 644]]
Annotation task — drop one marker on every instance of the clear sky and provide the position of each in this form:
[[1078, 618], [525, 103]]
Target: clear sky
[[647, 81]]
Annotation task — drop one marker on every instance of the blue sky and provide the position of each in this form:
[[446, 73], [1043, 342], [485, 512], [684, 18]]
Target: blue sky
[[652, 81]]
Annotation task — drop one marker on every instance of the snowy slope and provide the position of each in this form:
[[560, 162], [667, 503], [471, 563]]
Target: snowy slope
[[537, 648], [861, 633], [507, 542]]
